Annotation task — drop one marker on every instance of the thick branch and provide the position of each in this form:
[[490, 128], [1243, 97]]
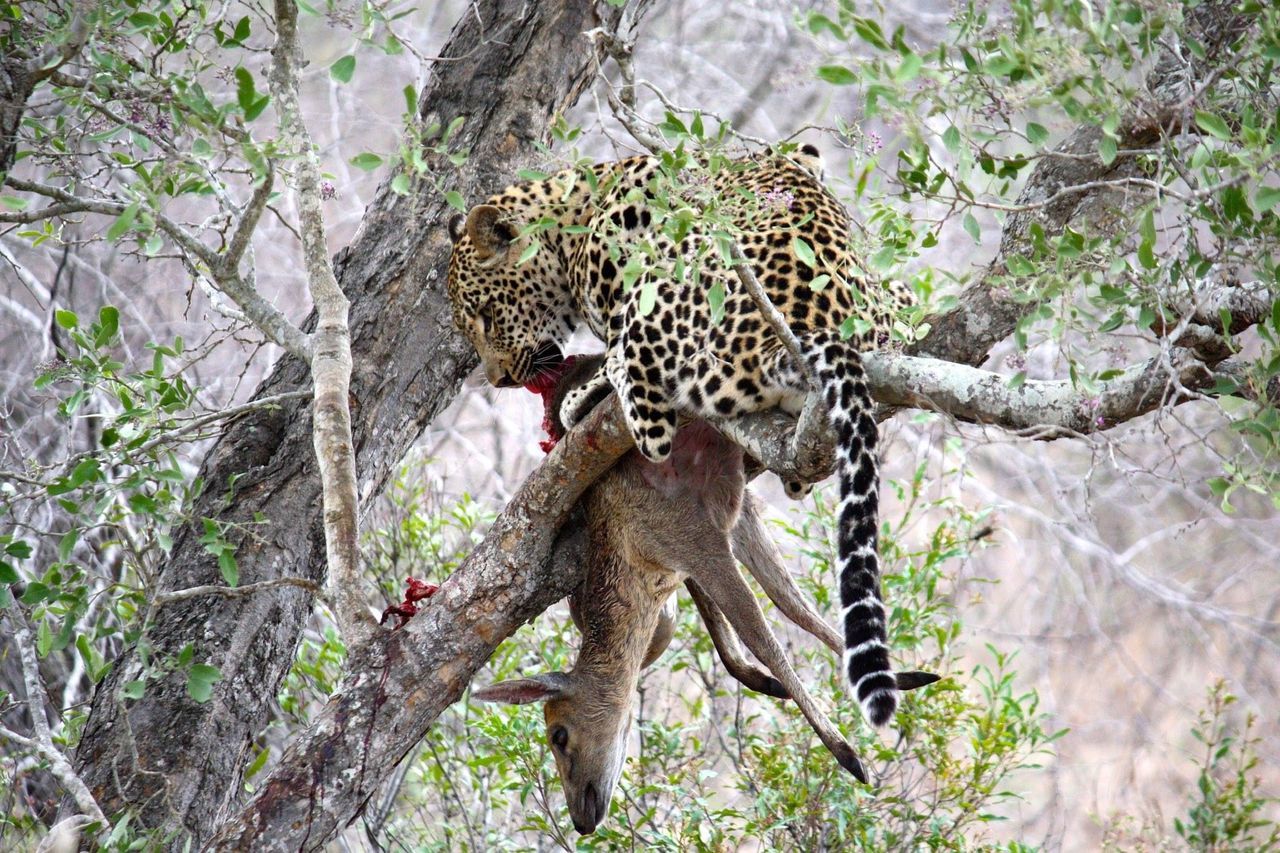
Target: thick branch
[[1042, 409], [379, 715]]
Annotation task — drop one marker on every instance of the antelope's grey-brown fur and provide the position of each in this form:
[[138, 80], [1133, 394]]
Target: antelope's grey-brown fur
[[650, 528]]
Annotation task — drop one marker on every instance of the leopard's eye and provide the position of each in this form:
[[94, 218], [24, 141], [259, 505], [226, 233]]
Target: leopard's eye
[[486, 319]]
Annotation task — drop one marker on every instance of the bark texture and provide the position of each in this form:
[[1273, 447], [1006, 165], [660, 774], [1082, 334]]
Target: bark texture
[[174, 762]]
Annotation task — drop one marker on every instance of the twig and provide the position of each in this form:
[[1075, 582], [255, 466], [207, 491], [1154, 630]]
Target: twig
[[163, 598], [264, 316]]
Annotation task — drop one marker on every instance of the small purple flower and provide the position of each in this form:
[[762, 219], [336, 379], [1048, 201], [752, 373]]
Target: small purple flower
[[328, 191], [874, 142], [778, 199]]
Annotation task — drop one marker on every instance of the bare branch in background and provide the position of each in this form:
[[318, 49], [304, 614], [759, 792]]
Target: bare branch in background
[[203, 261]]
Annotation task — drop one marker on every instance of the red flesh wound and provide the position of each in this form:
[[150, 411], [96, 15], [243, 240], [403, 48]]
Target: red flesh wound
[[414, 591], [544, 385]]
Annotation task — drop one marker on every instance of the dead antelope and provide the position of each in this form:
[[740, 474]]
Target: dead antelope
[[651, 527]]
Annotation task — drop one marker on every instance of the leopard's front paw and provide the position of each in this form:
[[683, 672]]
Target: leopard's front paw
[[579, 402]]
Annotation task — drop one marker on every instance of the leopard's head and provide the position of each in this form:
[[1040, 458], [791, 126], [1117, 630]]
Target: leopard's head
[[515, 312]]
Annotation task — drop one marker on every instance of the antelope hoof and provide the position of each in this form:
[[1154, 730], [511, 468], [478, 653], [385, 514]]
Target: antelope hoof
[[915, 678], [848, 759]]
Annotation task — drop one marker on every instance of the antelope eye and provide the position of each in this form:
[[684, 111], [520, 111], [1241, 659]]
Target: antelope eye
[[560, 737]]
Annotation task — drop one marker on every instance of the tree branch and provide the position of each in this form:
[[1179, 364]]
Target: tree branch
[[263, 314], [42, 742], [330, 345], [988, 314], [163, 598], [375, 718]]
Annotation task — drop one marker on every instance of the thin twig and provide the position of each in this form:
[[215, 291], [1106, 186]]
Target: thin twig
[[163, 598]]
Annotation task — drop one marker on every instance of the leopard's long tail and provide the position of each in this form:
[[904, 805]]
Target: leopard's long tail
[[838, 368]]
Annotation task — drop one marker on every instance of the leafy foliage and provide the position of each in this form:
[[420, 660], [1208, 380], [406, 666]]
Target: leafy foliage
[[714, 766]]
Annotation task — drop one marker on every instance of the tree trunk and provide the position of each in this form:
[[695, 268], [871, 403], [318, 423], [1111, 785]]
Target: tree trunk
[[177, 763]]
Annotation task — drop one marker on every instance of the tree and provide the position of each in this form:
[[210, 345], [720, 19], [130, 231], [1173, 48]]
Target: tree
[[1149, 222]]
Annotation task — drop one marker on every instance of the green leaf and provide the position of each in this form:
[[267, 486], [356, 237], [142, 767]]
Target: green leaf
[[44, 638], [133, 689], [1107, 150], [228, 567], [246, 94], [8, 574], [36, 592], [108, 325], [123, 222], [367, 161], [18, 549], [256, 108], [951, 139], [1019, 265], [1266, 198], [971, 226], [84, 472], [837, 74], [343, 69], [1213, 125], [531, 175], [909, 69], [200, 681], [455, 200], [1037, 134], [804, 253], [1016, 380], [819, 282], [400, 184], [648, 297], [1147, 244], [715, 299], [529, 251], [257, 764]]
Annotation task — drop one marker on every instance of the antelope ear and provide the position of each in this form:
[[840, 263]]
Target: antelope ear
[[522, 691], [489, 233]]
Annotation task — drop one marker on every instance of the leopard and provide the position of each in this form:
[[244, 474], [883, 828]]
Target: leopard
[[635, 250]]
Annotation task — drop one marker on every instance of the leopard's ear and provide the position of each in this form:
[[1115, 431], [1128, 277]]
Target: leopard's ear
[[489, 232], [457, 226]]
